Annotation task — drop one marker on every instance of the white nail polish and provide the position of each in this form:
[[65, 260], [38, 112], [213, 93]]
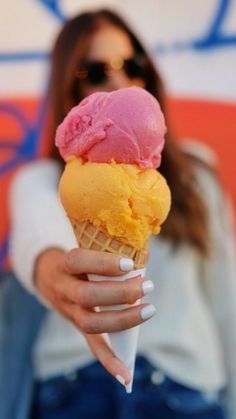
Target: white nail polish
[[147, 312], [126, 264], [147, 287], [120, 379]]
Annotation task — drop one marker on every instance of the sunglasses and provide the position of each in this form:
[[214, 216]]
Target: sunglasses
[[98, 72]]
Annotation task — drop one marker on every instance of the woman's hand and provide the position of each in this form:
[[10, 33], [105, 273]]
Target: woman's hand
[[61, 280]]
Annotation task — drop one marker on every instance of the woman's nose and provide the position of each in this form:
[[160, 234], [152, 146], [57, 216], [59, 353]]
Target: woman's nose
[[118, 79]]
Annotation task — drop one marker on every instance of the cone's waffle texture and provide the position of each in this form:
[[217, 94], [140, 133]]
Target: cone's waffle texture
[[91, 237]]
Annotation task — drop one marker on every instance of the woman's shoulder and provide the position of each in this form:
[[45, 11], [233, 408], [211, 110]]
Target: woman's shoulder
[[35, 174], [44, 167], [39, 165], [203, 158], [201, 152], [209, 184]]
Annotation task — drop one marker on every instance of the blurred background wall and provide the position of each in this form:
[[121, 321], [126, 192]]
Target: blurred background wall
[[192, 42]]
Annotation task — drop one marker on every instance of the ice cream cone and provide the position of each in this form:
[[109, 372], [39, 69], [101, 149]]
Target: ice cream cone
[[91, 237], [124, 343]]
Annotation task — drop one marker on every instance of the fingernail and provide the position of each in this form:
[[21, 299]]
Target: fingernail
[[147, 287], [120, 379], [126, 264], [147, 312]]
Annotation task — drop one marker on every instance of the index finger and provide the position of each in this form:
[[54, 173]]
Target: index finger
[[85, 261], [104, 354]]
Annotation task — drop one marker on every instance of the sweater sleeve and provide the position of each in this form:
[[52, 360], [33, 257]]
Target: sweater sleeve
[[38, 220], [220, 280]]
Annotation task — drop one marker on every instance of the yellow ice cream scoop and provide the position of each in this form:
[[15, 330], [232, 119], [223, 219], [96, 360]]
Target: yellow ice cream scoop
[[126, 202]]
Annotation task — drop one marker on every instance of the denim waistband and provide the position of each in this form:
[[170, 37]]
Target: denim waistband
[[150, 383], [145, 373]]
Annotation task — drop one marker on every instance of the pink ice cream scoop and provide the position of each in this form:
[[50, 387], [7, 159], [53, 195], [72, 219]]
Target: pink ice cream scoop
[[126, 126]]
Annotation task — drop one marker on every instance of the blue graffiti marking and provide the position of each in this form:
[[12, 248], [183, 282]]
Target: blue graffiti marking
[[54, 8], [215, 37], [24, 56], [28, 146]]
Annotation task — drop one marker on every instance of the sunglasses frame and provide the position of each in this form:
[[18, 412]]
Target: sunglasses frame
[[89, 71]]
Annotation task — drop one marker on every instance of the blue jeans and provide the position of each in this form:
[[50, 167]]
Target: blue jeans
[[91, 393]]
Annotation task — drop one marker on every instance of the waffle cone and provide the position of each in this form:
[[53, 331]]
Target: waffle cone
[[91, 237]]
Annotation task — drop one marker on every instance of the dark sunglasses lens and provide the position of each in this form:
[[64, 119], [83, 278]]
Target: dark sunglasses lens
[[134, 68], [96, 73]]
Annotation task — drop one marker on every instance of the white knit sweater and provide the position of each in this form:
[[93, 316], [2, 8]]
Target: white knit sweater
[[192, 337]]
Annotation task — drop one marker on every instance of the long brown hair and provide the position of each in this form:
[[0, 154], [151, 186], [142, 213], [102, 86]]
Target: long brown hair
[[187, 221]]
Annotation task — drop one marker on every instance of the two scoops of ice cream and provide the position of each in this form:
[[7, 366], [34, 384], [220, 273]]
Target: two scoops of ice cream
[[112, 144], [110, 189]]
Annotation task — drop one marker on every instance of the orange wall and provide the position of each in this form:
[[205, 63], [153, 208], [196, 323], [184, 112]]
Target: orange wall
[[214, 123]]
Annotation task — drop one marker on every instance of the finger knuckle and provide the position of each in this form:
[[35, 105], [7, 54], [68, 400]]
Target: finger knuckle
[[84, 295], [77, 295], [58, 292], [88, 324], [131, 293], [103, 262], [81, 321], [70, 259]]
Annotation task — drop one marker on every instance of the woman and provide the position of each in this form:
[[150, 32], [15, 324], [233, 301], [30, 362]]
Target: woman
[[186, 352]]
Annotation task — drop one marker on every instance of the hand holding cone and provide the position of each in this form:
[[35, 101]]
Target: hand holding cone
[[112, 194]]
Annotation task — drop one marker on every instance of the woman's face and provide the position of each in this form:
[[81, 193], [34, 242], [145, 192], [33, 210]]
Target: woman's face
[[109, 48]]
